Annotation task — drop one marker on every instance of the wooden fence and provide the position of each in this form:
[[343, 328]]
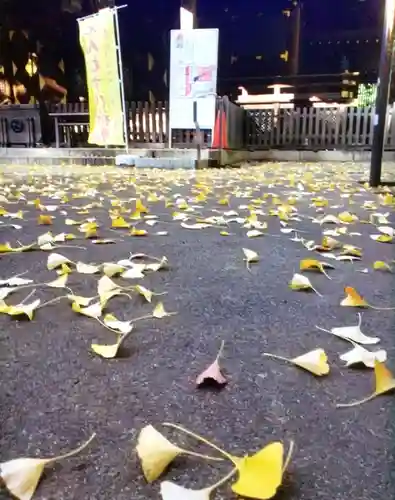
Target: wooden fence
[[342, 127]]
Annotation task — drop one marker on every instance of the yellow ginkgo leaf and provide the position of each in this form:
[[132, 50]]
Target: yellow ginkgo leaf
[[112, 269], [104, 241], [315, 265], [155, 452], [59, 282], [300, 282], [112, 322], [64, 269], [120, 223], [250, 256], [384, 382], [159, 311], [254, 233], [351, 250], [56, 260], [329, 219], [87, 268], [260, 475], [147, 294], [347, 217], [315, 361], [353, 299], [141, 208], [138, 232], [382, 238], [380, 265], [92, 311], [105, 285], [23, 309], [44, 220], [5, 248], [108, 351], [80, 301], [21, 475]]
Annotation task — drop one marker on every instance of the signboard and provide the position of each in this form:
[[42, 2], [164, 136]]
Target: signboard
[[193, 77], [98, 42]]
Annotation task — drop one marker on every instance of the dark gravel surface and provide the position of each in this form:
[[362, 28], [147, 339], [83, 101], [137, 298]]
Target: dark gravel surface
[[55, 392]]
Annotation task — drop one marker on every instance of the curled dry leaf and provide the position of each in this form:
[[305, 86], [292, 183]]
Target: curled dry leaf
[[353, 299], [384, 382], [213, 373], [22, 475], [315, 361]]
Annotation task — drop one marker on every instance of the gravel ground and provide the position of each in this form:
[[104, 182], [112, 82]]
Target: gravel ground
[[55, 392]]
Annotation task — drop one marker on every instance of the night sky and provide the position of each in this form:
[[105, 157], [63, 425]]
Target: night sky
[[334, 35]]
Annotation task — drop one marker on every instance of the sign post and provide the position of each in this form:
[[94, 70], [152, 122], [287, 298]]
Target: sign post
[[100, 42], [193, 77]]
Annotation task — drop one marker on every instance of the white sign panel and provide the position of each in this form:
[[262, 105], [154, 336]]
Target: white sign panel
[[193, 77]]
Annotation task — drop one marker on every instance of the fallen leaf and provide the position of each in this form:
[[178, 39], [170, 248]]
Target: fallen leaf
[[159, 311], [380, 265], [213, 373], [300, 282], [22, 309], [111, 269], [15, 281], [315, 361], [352, 333], [134, 272], [155, 452], [261, 474], [315, 265], [138, 232], [59, 282], [250, 256], [384, 382], [254, 233], [108, 351], [347, 217], [353, 299], [115, 324], [87, 268], [45, 220], [360, 355], [382, 238], [120, 223], [147, 294], [22, 475], [105, 241], [92, 311], [80, 301], [199, 225], [56, 260]]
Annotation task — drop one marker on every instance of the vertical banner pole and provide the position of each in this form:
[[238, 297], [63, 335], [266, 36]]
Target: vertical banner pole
[[121, 82]]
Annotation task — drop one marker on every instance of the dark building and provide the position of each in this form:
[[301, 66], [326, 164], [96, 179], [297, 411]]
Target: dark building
[[259, 41]]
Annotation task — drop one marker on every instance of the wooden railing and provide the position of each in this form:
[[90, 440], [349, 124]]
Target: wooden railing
[[342, 127]]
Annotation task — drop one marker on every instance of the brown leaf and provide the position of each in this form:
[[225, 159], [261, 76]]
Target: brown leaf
[[212, 375]]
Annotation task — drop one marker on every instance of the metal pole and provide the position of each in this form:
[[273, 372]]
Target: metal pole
[[124, 111], [383, 91]]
